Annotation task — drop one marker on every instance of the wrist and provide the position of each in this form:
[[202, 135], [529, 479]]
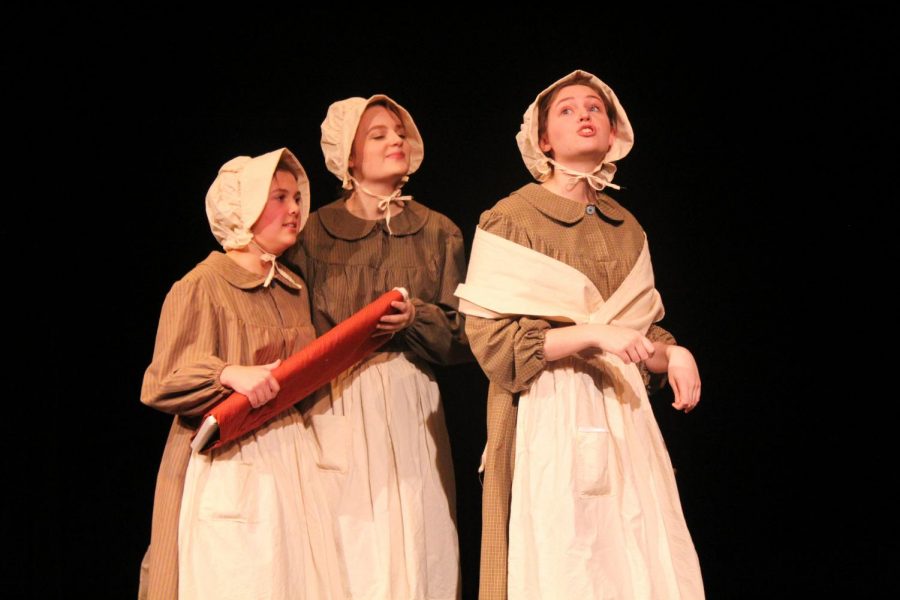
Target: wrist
[[225, 376], [592, 336]]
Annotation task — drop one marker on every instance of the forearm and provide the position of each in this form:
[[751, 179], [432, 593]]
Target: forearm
[[565, 341], [628, 344]]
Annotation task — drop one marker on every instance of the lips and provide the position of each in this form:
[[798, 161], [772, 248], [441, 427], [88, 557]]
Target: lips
[[586, 130]]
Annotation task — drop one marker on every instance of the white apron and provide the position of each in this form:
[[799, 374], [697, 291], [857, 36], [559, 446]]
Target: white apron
[[595, 511], [253, 521], [385, 455]]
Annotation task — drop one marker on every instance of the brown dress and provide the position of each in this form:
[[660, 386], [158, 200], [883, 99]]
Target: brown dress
[[383, 439], [218, 314], [602, 241]]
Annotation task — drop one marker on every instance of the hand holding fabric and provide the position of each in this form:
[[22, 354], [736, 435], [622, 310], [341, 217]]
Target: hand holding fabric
[[255, 382], [403, 318], [301, 374], [629, 345]]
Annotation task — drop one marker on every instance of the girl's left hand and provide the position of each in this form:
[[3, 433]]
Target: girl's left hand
[[391, 324], [684, 377]]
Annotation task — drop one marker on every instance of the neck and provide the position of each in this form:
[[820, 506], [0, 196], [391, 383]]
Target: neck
[[382, 187], [558, 182], [365, 206], [583, 164], [249, 258]]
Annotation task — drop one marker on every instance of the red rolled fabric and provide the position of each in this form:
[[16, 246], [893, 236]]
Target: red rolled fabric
[[301, 374]]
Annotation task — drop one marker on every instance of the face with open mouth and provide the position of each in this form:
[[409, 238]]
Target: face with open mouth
[[578, 128]]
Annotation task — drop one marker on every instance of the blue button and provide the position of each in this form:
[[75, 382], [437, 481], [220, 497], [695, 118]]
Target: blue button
[[590, 209]]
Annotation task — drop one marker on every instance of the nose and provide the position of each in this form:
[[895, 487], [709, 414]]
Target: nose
[[294, 206]]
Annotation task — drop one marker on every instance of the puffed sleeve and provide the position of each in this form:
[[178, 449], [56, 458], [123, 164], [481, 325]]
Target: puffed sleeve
[[510, 351], [438, 333], [183, 378]]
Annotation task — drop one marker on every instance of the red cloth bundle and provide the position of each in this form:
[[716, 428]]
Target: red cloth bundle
[[300, 374]]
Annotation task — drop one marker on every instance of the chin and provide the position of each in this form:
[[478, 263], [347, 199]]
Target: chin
[[593, 155], [397, 173], [279, 248]]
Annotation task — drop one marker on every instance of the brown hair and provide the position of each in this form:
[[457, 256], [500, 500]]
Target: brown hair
[[388, 105], [285, 165], [547, 101]]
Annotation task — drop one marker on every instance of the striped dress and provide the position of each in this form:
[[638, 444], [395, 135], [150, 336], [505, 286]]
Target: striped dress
[[219, 314], [386, 456]]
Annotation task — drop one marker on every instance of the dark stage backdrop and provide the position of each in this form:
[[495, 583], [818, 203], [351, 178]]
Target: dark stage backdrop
[[714, 178]]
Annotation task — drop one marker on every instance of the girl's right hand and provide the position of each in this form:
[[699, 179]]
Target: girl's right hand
[[256, 382], [627, 344]]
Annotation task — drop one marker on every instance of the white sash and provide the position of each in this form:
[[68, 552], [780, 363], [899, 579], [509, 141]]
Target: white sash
[[506, 279]]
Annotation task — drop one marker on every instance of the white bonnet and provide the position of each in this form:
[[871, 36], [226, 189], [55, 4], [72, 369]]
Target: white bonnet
[[238, 195], [528, 139], [339, 129]]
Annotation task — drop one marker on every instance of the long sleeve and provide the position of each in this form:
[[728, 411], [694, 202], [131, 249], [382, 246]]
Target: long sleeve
[[510, 351], [183, 378], [658, 334], [438, 333]]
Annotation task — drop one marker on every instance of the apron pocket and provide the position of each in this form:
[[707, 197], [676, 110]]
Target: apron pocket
[[332, 433], [593, 450], [227, 493]]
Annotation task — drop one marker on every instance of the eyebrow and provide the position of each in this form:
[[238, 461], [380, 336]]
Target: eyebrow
[[398, 127], [573, 97]]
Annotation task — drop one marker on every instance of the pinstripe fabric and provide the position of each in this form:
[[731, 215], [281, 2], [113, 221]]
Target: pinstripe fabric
[[348, 262], [604, 246], [218, 314]]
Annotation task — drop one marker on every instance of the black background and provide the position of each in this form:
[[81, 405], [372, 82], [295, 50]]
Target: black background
[[721, 177]]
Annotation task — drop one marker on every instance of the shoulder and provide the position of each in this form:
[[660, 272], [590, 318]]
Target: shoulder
[[336, 204], [206, 272], [513, 216], [314, 236], [515, 208], [197, 285], [314, 221]]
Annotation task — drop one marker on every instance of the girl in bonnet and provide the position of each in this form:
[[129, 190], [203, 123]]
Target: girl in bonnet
[[383, 440], [243, 520], [580, 500]]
